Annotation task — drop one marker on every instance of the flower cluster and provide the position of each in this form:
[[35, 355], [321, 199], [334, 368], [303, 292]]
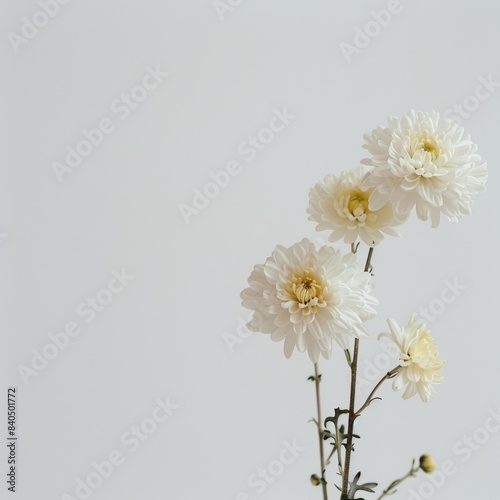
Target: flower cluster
[[313, 298]]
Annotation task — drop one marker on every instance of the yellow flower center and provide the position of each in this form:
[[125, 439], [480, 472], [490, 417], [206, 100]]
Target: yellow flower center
[[426, 146], [431, 148], [422, 350], [358, 202], [305, 286]]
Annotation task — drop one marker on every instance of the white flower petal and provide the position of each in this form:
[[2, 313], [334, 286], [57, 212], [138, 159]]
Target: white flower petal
[[289, 345]]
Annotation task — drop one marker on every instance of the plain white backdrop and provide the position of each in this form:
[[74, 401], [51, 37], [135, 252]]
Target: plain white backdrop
[[163, 335]]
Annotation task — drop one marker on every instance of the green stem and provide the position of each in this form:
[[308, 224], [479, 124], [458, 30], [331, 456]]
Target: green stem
[[352, 401], [320, 432], [352, 416]]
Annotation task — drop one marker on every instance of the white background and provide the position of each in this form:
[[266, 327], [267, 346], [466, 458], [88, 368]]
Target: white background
[[163, 335]]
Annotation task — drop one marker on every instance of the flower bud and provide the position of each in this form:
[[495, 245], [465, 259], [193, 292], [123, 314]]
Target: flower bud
[[315, 480], [427, 463]]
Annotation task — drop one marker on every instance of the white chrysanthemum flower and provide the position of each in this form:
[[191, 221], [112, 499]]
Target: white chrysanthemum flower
[[340, 205], [423, 161], [309, 298], [418, 358]]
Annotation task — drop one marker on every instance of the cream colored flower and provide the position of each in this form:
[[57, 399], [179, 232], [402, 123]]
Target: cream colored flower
[[338, 204], [421, 160], [309, 298], [418, 358]]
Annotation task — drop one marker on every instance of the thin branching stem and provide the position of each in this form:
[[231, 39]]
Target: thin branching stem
[[391, 488], [369, 399]]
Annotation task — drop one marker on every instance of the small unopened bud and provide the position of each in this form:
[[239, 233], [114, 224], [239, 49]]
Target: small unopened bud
[[315, 480], [427, 463]]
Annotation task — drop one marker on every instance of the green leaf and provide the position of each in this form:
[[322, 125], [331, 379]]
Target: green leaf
[[348, 356], [354, 487]]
